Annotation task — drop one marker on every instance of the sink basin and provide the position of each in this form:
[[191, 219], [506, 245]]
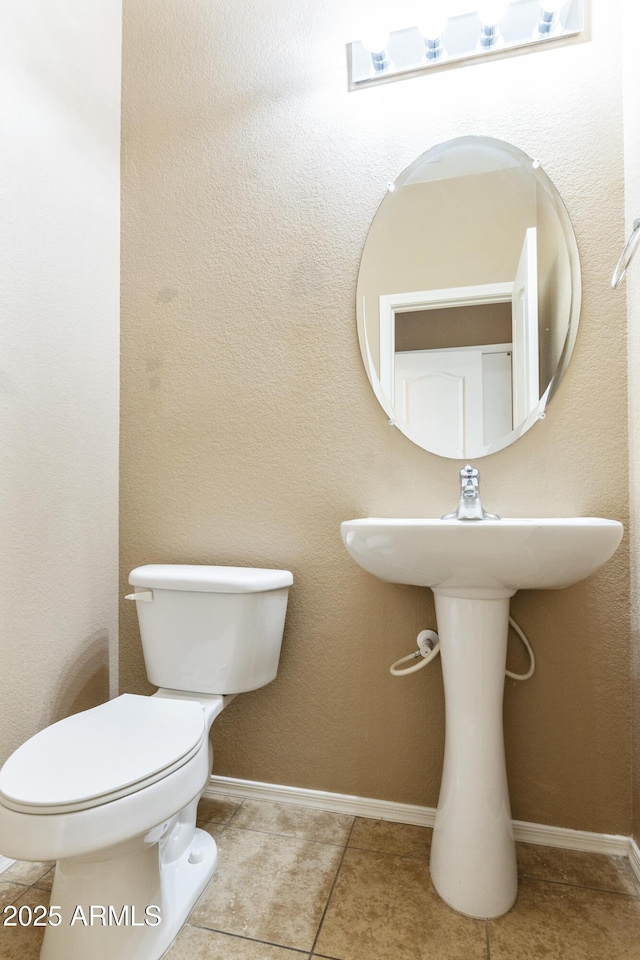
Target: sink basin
[[473, 568], [488, 558]]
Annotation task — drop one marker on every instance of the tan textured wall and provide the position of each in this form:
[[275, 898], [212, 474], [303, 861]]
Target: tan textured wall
[[59, 277], [632, 288], [249, 428]]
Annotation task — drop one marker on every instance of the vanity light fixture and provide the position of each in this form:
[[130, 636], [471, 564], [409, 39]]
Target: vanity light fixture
[[455, 32]]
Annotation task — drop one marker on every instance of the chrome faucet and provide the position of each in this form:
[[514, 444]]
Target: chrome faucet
[[470, 506]]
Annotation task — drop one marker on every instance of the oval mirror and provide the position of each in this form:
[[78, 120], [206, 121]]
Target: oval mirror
[[468, 297]]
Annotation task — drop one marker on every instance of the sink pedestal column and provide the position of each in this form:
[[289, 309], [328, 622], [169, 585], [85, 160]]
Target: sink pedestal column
[[473, 859]]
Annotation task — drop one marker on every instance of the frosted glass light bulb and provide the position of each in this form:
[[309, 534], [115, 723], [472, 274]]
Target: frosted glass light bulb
[[491, 12], [375, 38], [432, 21]]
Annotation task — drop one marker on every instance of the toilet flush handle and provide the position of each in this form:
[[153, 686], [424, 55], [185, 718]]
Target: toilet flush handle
[[145, 595]]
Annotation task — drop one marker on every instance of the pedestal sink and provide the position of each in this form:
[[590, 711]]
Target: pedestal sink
[[473, 568]]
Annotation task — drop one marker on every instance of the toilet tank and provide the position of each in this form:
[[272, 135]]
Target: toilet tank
[[208, 629]]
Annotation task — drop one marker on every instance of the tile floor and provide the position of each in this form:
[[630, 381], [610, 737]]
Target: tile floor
[[299, 883]]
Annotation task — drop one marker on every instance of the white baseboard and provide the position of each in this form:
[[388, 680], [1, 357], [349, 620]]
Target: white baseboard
[[320, 800], [614, 845], [634, 857], [609, 844], [563, 837]]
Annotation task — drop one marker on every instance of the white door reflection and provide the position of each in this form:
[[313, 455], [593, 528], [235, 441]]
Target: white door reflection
[[463, 393], [459, 397], [524, 300]]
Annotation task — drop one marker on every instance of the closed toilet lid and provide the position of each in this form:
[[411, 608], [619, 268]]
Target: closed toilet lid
[[103, 753]]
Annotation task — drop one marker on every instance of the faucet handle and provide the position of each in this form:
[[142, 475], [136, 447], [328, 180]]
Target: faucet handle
[[469, 477]]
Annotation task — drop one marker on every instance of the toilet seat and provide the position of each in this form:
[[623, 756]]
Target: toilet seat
[[102, 754]]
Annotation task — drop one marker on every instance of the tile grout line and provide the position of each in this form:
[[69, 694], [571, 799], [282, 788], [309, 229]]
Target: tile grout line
[[580, 886], [235, 812], [329, 843], [333, 886], [395, 856], [237, 936], [289, 836], [224, 823], [25, 888]]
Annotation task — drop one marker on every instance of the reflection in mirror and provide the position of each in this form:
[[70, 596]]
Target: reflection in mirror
[[468, 297]]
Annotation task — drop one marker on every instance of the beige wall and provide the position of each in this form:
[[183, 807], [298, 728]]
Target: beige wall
[[250, 431], [59, 251], [632, 288]]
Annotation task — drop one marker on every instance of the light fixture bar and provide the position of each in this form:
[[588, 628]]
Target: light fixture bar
[[409, 54]]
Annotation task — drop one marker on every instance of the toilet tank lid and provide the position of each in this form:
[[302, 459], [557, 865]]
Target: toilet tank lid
[[209, 579]]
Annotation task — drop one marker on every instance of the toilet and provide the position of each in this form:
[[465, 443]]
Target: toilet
[[111, 793]]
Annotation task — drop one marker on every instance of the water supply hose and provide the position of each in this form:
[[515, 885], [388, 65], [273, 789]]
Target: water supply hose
[[529, 649], [429, 648]]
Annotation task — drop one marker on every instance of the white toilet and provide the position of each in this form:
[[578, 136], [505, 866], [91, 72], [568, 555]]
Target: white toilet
[[111, 793]]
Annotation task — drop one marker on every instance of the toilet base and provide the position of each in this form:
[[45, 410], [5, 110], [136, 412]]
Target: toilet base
[[130, 901]]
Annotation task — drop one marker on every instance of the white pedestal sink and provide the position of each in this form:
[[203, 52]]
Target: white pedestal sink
[[473, 568]]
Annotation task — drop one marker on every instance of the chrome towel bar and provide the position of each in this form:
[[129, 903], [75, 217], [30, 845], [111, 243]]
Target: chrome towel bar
[[627, 255]]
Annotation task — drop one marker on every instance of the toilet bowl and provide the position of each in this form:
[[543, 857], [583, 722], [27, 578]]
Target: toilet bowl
[[111, 793]]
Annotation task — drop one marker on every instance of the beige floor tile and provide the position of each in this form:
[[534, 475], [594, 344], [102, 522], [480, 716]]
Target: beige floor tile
[[268, 887], [573, 866], [22, 943], [45, 882], [559, 922], [218, 807], [385, 908], [211, 827], [398, 839], [10, 891], [26, 871], [194, 943], [292, 821]]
